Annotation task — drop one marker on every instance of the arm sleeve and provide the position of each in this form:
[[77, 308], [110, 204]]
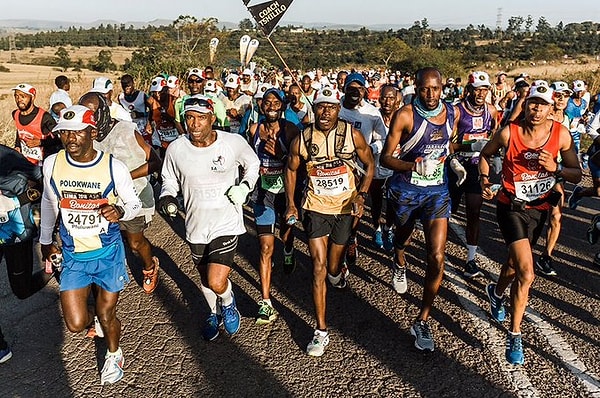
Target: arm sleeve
[[380, 136], [125, 191], [49, 205], [248, 160], [170, 182]]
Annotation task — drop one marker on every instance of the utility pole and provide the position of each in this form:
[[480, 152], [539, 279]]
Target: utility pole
[[499, 24], [12, 48]]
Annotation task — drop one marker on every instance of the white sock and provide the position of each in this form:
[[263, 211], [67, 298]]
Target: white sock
[[515, 334], [472, 251], [116, 353], [378, 228], [334, 279], [322, 332], [227, 296], [268, 301], [210, 297]]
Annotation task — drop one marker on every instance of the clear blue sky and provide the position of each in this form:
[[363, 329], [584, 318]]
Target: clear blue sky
[[365, 12]]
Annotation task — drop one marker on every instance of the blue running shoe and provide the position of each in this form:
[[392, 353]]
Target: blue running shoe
[[496, 304], [514, 349], [573, 200], [388, 243], [5, 354], [231, 317], [211, 327], [378, 240]]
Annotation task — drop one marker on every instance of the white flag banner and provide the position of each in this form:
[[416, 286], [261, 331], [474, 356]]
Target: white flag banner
[[244, 43], [252, 46]]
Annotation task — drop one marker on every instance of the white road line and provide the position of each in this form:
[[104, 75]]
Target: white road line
[[557, 343]]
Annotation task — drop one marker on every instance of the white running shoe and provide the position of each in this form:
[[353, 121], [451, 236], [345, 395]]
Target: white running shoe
[[112, 371], [399, 281], [317, 345]]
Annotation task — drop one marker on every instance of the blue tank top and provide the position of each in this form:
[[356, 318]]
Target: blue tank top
[[472, 128], [434, 144], [271, 168]]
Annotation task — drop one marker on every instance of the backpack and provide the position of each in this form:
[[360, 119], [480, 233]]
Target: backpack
[[340, 139], [18, 225]]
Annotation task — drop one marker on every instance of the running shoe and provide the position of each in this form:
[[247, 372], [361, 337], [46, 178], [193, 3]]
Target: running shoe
[[211, 327], [5, 354], [496, 304], [266, 313], [289, 261], [514, 349], [388, 242], [544, 265], [317, 345], [399, 282], [343, 281], [231, 317], [351, 252], [472, 269], [378, 239], [573, 200], [422, 334], [151, 277], [112, 371], [95, 329], [592, 232]]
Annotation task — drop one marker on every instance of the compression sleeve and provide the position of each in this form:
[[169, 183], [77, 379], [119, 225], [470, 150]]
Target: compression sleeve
[[170, 182], [49, 205]]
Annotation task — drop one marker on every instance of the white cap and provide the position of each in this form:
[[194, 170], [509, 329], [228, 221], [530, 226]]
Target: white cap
[[578, 85], [199, 103], [210, 86], [247, 72], [232, 81], [157, 84], [25, 88], [172, 81], [541, 89], [479, 79], [327, 94], [261, 90], [561, 87], [75, 118], [102, 85]]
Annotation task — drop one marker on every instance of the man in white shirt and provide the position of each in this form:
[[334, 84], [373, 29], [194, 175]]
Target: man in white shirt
[[204, 166], [60, 99], [104, 86]]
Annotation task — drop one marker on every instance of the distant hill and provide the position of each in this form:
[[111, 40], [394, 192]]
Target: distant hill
[[33, 26]]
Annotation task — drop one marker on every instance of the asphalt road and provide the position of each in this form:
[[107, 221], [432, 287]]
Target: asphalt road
[[371, 353]]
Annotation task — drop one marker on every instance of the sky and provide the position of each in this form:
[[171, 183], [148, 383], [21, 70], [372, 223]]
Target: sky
[[364, 12]]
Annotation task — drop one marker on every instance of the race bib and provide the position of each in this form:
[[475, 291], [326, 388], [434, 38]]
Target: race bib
[[271, 179], [31, 153], [209, 196], [434, 179], [470, 138], [81, 217], [168, 135], [330, 179], [530, 190], [477, 123]]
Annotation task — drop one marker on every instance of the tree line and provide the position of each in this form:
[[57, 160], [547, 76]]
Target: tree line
[[184, 44]]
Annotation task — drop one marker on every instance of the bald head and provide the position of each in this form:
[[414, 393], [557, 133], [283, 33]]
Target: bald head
[[427, 73]]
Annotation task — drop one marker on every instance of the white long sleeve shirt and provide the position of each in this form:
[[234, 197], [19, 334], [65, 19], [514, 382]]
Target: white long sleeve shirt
[[204, 175]]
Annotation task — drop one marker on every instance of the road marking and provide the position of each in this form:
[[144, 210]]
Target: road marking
[[557, 343]]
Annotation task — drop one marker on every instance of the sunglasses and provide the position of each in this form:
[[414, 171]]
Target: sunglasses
[[208, 104]]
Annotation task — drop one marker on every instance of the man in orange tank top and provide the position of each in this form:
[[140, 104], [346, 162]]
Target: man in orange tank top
[[529, 172]]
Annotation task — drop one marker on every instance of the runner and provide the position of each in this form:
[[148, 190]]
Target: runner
[[477, 123], [298, 104], [418, 187], [137, 103], [104, 86], [248, 85], [121, 139], [544, 262], [236, 103], [327, 150], [162, 114], [34, 137], [60, 99], [390, 101], [499, 91], [271, 139], [82, 184], [529, 171], [365, 118], [204, 165]]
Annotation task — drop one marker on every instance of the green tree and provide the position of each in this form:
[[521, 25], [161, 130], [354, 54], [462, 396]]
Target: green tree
[[63, 59], [103, 63], [246, 24]]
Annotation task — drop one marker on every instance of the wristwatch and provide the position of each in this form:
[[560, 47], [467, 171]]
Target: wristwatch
[[364, 195]]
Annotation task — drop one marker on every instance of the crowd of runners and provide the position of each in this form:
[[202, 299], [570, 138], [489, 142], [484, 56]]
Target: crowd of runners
[[289, 147]]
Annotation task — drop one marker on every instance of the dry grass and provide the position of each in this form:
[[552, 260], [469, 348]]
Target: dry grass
[[42, 78], [26, 55]]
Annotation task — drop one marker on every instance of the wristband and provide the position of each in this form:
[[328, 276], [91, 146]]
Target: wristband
[[363, 195]]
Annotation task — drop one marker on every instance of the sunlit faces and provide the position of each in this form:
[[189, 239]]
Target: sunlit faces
[[271, 107], [537, 110], [195, 85], [560, 100], [326, 115], [23, 100], [388, 100], [294, 95], [78, 143], [199, 126], [479, 95], [429, 91]]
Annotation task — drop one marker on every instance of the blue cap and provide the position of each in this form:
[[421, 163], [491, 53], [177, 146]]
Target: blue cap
[[355, 77], [276, 92]]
